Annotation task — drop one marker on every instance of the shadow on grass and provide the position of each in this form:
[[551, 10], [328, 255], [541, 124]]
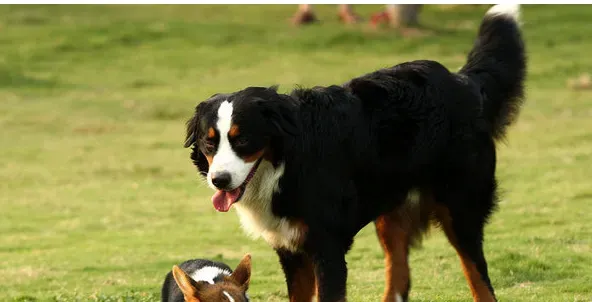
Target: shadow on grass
[[10, 78], [106, 37], [25, 18], [164, 113]]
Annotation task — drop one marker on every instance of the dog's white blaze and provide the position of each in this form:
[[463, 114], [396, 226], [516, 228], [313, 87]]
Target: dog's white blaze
[[255, 213], [398, 298], [228, 296], [511, 10], [225, 160], [208, 274], [254, 208]]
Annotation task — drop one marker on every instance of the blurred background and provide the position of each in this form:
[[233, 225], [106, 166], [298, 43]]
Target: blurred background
[[99, 199]]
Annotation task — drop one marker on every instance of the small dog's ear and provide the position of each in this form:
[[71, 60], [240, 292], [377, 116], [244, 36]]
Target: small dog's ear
[[274, 88], [187, 285], [242, 272]]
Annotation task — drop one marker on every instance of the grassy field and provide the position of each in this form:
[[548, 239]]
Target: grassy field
[[99, 199]]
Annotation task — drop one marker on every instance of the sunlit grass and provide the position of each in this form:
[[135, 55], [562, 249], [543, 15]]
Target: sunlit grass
[[99, 199]]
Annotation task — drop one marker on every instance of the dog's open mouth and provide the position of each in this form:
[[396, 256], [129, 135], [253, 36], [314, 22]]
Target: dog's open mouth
[[223, 200]]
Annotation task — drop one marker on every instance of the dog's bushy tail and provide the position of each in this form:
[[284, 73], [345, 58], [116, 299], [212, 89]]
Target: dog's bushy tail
[[497, 63]]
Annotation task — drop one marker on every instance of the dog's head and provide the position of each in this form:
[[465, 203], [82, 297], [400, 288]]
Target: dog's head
[[232, 133], [231, 288]]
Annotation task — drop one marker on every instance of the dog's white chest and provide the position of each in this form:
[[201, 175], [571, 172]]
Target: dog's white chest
[[278, 232], [255, 212]]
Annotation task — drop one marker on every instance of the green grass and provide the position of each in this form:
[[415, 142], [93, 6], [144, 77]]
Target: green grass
[[99, 199]]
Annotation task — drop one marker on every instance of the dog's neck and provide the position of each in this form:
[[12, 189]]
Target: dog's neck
[[255, 209], [260, 190]]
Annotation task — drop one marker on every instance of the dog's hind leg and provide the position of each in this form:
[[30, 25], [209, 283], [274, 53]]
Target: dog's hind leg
[[463, 218], [397, 231], [394, 239]]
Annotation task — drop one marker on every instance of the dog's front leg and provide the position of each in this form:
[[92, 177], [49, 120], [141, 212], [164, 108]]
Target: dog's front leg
[[330, 268], [300, 276]]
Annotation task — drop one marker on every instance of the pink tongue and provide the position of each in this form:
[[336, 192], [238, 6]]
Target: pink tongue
[[222, 200]]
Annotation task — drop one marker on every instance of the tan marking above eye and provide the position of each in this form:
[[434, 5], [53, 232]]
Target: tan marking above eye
[[233, 130], [253, 157], [211, 133]]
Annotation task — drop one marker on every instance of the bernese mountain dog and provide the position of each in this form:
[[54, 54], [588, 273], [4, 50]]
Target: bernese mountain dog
[[401, 147]]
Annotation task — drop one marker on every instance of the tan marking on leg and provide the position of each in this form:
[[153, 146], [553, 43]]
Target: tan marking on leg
[[397, 231], [394, 239], [304, 285], [479, 289]]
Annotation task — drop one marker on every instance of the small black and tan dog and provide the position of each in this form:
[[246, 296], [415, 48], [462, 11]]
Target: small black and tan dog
[[401, 147], [201, 280]]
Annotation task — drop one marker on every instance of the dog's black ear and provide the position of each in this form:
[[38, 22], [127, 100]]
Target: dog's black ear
[[191, 136], [200, 161], [281, 114], [193, 127], [367, 89]]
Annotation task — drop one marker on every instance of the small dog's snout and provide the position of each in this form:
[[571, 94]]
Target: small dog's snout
[[221, 179]]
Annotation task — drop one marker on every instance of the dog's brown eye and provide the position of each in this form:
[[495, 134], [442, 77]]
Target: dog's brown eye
[[209, 147], [241, 141]]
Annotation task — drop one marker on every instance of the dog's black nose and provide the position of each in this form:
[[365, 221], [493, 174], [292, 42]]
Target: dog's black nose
[[221, 179]]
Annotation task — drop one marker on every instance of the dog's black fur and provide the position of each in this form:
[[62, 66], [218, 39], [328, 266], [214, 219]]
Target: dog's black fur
[[353, 152]]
